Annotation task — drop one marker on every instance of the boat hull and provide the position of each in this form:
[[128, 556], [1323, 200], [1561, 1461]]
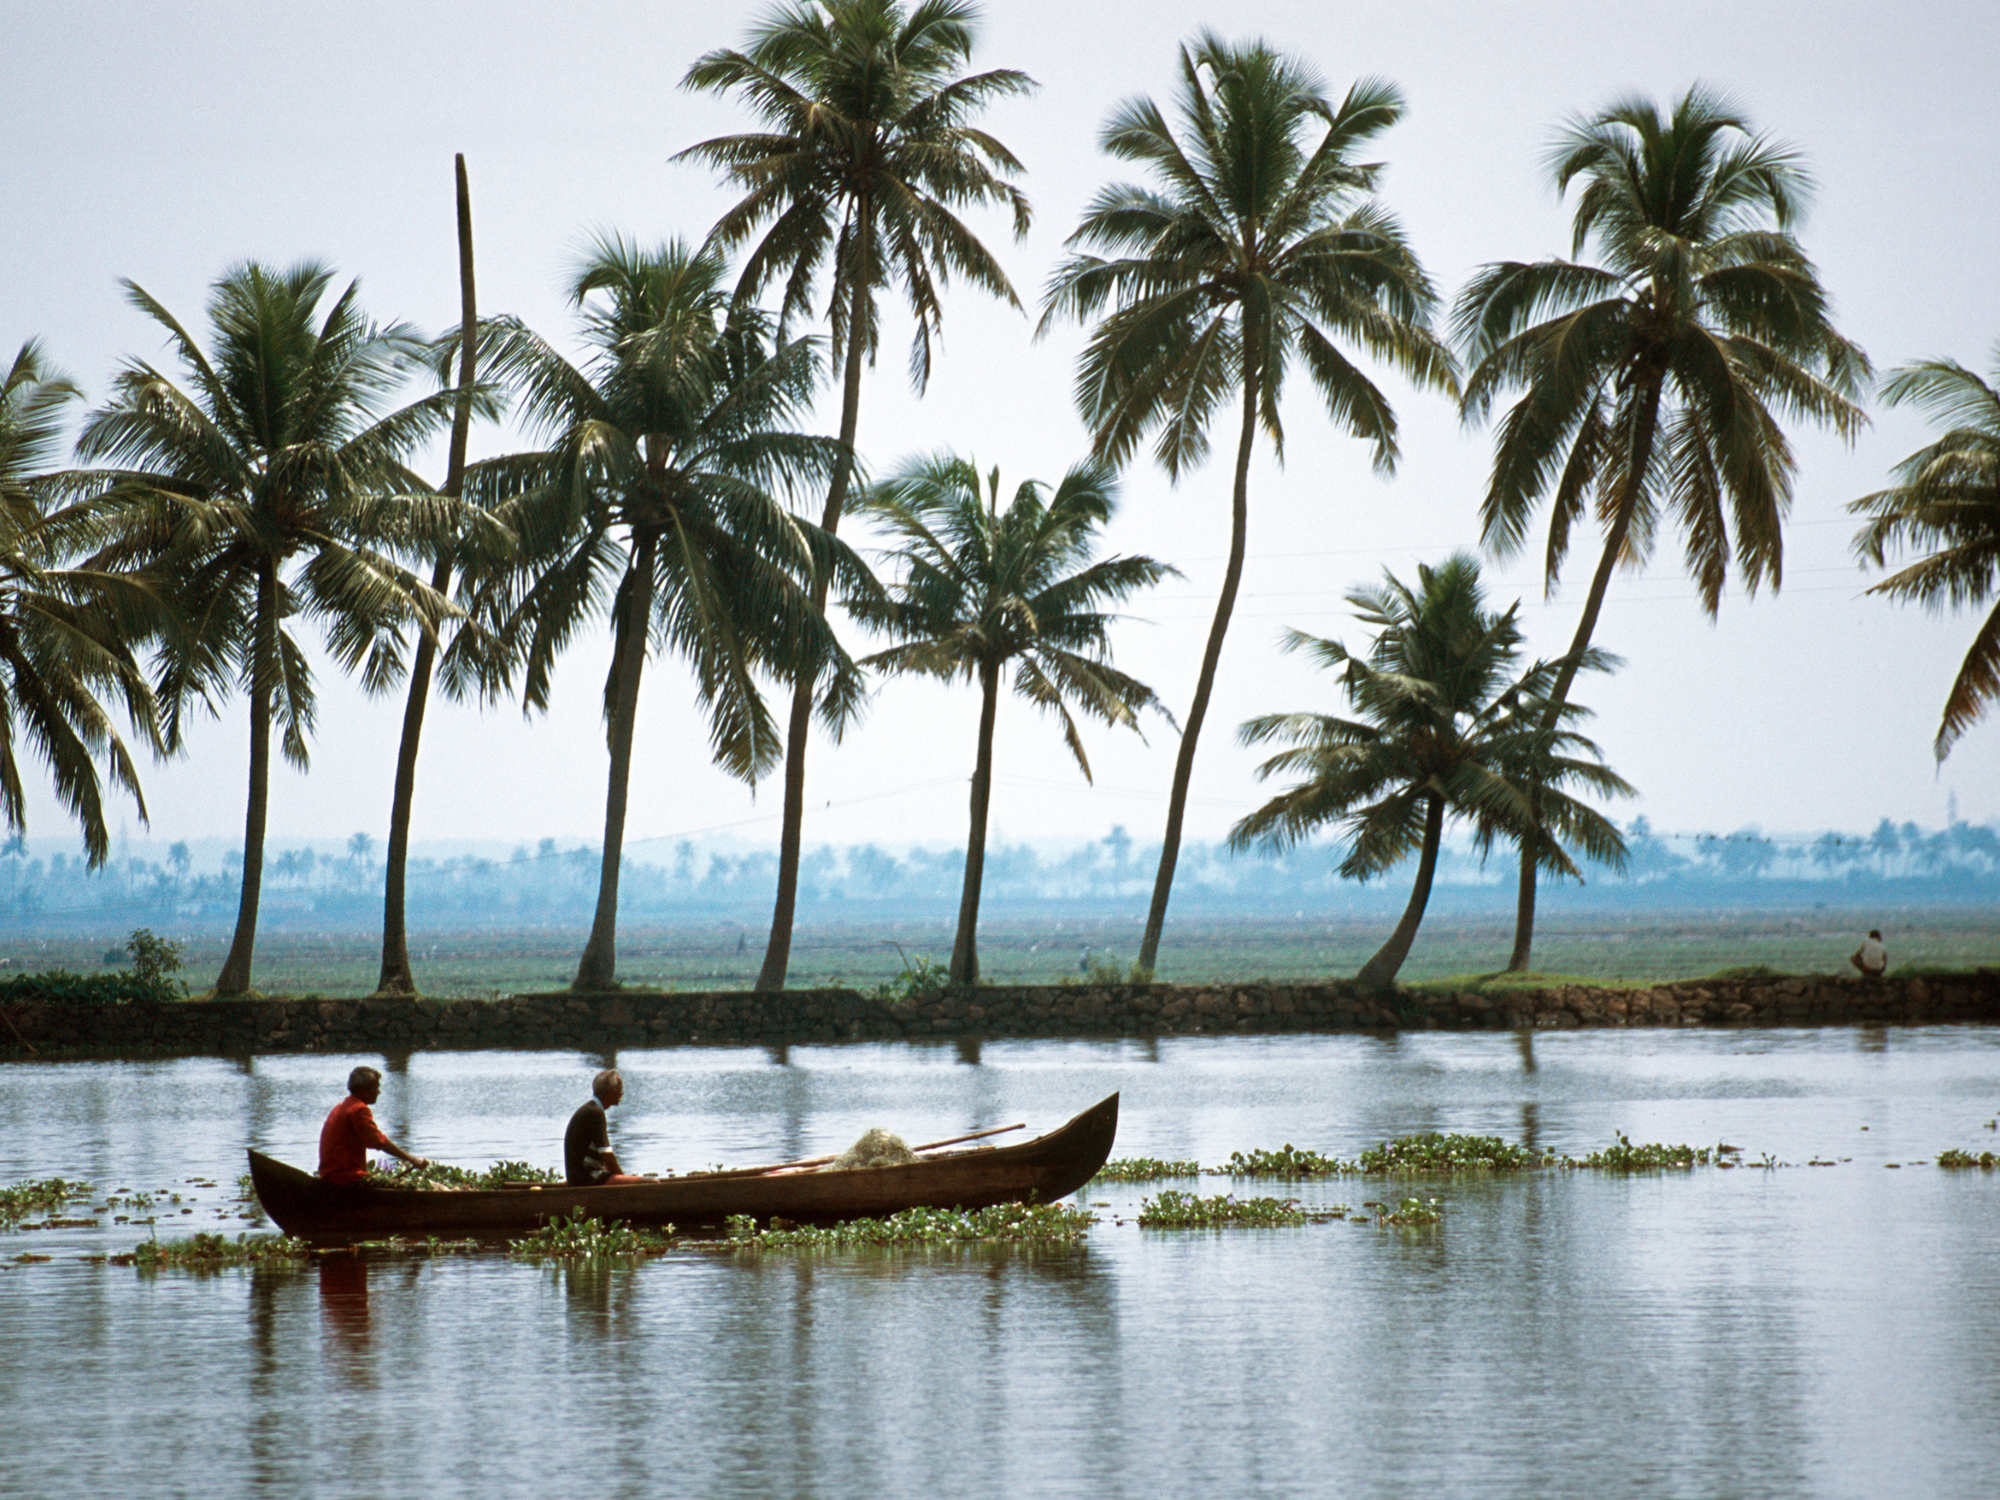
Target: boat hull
[[1042, 1170]]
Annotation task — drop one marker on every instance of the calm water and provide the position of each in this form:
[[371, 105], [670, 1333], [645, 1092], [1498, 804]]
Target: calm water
[[1790, 1330]]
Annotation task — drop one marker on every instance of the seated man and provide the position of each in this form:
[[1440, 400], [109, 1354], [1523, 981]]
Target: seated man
[[587, 1157], [350, 1129]]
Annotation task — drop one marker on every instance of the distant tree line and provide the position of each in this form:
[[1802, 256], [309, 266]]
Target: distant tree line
[[535, 884]]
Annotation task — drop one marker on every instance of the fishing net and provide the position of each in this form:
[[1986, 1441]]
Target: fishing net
[[878, 1148]]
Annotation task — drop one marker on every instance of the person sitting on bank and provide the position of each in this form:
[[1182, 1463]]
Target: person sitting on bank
[[588, 1160], [350, 1130], [1871, 958]]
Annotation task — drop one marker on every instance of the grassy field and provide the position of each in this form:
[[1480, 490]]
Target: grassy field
[[1627, 947]]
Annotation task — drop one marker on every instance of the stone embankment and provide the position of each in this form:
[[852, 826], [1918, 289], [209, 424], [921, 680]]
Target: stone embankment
[[641, 1019]]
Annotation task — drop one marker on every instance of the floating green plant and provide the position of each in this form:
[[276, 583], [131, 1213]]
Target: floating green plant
[[1173, 1210], [580, 1237], [1985, 1159], [1006, 1223], [205, 1252], [1411, 1213], [443, 1175], [1451, 1153], [43, 1196], [1146, 1169], [1626, 1157], [1289, 1162], [1653, 1157]]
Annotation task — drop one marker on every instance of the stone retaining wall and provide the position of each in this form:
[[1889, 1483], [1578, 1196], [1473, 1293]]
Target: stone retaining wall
[[637, 1019]]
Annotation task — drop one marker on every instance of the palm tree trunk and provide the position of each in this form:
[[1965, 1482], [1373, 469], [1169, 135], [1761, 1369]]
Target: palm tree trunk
[[1232, 576], [965, 951], [235, 976], [1388, 960], [598, 969], [396, 978], [1586, 627], [798, 729]]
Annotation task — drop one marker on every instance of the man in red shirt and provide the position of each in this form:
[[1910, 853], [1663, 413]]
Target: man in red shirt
[[350, 1130]]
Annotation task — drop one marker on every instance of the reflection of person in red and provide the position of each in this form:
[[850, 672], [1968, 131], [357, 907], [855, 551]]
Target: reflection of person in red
[[350, 1130]]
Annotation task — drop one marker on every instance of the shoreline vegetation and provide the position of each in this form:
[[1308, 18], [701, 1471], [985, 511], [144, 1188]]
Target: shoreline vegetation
[[1611, 946]]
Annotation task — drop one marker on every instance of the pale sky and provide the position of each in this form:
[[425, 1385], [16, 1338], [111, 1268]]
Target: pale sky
[[166, 142]]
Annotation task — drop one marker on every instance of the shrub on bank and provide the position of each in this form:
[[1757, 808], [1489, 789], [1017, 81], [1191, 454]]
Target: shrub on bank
[[61, 987]]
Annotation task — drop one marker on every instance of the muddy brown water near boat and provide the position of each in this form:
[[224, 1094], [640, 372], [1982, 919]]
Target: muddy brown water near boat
[[1778, 1328]]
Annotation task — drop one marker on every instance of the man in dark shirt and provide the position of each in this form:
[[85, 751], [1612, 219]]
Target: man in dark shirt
[[350, 1130], [588, 1160]]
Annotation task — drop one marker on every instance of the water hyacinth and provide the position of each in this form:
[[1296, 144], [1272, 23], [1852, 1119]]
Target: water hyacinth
[[1289, 1162], [41, 1196], [1005, 1223], [1626, 1157], [1145, 1169], [1432, 1152], [1172, 1210], [208, 1252], [580, 1237], [1986, 1160]]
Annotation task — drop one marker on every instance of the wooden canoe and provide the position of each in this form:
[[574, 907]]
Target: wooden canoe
[[1041, 1170]]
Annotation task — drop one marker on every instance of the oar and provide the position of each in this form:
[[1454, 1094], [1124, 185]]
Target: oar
[[820, 1161]]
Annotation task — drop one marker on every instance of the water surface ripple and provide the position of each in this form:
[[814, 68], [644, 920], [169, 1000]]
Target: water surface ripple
[[1779, 1329]]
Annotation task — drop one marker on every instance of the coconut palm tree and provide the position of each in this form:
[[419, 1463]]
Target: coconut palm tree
[[1947, 498], [656, 502], [1652, 384], [273, 489], [981, 589], [868, 153], [1259, 247], [479, 539], [1446, 728], [65, 633]]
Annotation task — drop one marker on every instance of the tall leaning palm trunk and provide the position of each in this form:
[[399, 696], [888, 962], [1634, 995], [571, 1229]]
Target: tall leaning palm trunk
[[869, 147], [982, 590], [1204, 684], [396, 978], [273, 489], [798, 724], [1256, 249], [965, 945], [1648, 382], [597, 969]]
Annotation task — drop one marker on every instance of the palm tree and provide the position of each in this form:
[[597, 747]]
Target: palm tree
[[868, 151], [476, 540], [1652, 384], [273, 489], [983, 588], [1448, 729], [654, 502], [1259, 247], [1947, 498], [62, 635]]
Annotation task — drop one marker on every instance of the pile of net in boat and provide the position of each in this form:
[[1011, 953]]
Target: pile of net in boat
[[878, 1148]]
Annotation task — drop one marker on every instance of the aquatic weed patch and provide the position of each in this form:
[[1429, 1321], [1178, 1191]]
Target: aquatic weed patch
[[1172, 1210], [1003, 1223], [441, 1175], [1288, 1162], [41, 1196], [1959, 1160], [1432, 1152], [1411, 1213], [208, 1252], [1145, 1169], [580, 1237], [1626, 1157]]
